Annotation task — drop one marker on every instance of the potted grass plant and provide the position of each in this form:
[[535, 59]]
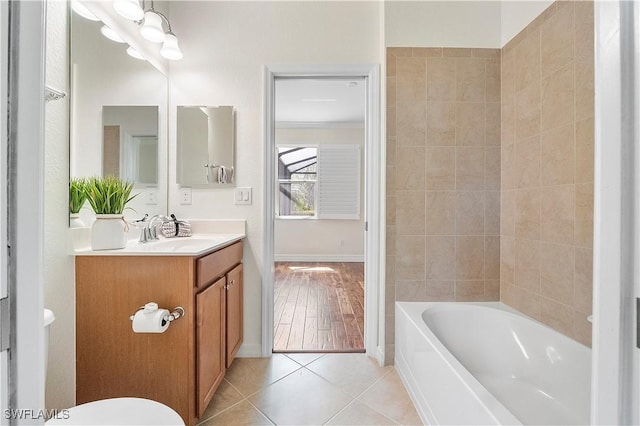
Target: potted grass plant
[[108, 197], [77, 198]]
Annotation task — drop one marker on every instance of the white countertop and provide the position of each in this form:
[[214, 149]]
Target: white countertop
[[196, 245]]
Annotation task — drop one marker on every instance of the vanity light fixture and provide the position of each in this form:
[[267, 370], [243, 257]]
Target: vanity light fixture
[[170, 49], [129, 9], [151, 28], [82, 10], [110, 34], [135, 54]]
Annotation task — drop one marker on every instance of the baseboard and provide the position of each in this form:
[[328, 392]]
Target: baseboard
[[250, 350], [319, 258]]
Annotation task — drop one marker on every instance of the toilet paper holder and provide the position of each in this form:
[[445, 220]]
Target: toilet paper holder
[[177, 312]]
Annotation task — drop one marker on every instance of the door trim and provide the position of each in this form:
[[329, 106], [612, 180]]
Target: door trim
[[374, 286]]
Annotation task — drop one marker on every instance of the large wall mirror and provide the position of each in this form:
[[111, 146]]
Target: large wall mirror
[[205, 145], [118, 117]]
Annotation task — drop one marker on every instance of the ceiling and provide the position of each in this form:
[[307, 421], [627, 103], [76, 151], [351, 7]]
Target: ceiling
[[320, 100]]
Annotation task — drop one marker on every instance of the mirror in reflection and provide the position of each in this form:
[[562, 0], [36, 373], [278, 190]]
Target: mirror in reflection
[[130, 143], [205, 145]]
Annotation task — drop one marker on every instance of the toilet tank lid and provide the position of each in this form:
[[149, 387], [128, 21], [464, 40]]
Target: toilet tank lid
[[48, 317]]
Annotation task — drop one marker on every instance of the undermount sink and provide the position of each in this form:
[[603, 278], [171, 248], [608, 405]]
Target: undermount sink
[[181, 244]]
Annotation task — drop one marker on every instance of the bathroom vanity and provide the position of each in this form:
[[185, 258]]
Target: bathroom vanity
[[181, 367]]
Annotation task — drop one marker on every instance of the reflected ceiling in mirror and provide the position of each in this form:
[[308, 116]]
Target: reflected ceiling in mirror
[[103, 75]]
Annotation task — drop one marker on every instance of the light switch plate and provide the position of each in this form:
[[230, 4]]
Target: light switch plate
[[152, 196], [243, 195]]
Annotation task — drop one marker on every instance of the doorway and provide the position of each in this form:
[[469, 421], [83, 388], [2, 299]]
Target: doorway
[[322, 201]]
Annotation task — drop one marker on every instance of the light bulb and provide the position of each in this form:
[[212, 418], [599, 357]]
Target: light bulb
[[82, 10], [170, 49], [152, 27], [129, 9], [110, 34], [135, 54]]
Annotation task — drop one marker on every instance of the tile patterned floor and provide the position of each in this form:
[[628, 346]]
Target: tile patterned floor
[[310, 389]]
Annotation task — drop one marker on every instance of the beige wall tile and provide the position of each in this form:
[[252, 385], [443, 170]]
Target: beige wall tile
[[492, 290], [526, 302], [528, 62], [558, 156], [391, 210], [527, 269], [508, 168], [557, 272], [557, 40], [507, 293], [583, 297], [470, 124], [440, 168], [391, 240], [469, 291], [410, 251], [470, 213], [584, 30], [469, 258], [391, 91], [557, 214], [440, 258], [557, 316], [584, 88], [391, 179], [410, 207], [399, 51], [584, 151], [411, 75], [410, 123], [391, 122], [508, 73], [558, 92], [440, 291], [492, 167], [411, 291], [528, 162], [456, 52], [507, 213], [391, 151], [389, 297], [440, 213], [441, 123], [492, 212], [583, 232], [410, 173], [528, 113], [492, 258], [470, 79], [508, 120], [470, 168], [492, 124], [492, 82], [427, 51], [441, 79], [391, 64], [486, 53], [527, 213]]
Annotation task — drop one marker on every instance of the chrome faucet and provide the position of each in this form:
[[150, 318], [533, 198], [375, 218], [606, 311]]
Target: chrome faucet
[[150, 231]]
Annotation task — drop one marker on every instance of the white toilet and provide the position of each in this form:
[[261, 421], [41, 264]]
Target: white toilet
[[114, 411]]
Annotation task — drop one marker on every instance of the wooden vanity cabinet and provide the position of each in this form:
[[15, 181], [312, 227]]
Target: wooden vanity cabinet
[[181, 367]]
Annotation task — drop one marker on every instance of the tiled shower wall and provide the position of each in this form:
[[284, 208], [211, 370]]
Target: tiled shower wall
[[547, 169], [443, 176]]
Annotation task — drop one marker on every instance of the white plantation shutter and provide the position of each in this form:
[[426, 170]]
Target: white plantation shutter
[[338, 182]]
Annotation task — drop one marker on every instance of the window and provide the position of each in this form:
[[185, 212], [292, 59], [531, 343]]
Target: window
[[297, 177]]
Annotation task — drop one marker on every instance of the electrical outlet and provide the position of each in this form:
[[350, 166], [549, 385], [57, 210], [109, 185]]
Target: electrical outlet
[[185, 195], [152, 196]]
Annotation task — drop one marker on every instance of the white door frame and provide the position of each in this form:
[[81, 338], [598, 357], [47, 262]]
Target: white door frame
[[615, 376], [373, 195]]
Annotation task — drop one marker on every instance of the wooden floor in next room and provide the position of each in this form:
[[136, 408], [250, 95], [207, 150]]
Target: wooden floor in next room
[[318, 307]]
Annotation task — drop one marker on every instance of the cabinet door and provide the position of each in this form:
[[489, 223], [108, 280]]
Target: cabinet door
[[234, 312], [210, 330]]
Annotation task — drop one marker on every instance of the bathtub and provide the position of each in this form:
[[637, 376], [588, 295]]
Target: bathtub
[[485, 363]]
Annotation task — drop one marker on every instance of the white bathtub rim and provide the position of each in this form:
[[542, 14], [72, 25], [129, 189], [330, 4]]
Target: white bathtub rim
[[493, 407]]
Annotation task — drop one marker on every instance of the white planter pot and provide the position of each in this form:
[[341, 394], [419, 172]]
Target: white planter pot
[[108, 232], [75, 221]]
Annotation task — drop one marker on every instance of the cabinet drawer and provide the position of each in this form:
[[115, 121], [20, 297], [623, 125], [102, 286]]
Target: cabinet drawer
[[214, 265]]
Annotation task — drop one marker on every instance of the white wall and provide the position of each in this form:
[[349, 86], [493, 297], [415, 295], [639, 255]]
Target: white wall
[[298, 239], [517, 14], [442, 24], [103, 74], [226, 45], [59, 287]]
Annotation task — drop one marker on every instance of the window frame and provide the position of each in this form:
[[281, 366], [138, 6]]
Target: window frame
[[280, 181]]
